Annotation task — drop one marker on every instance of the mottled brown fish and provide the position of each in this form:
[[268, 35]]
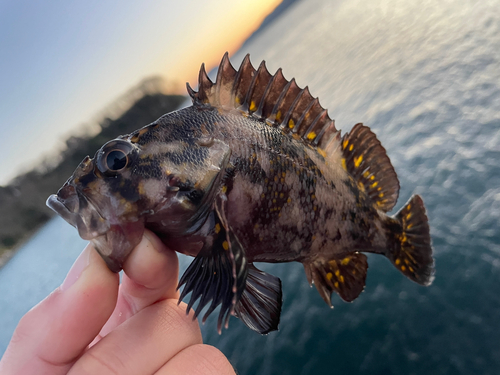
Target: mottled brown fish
[[253, 171]]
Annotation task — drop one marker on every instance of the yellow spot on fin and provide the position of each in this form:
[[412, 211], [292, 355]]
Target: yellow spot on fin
[[233, 87], [345, 276], [357, 161], [411, 250], [367, 162], [344, 164]]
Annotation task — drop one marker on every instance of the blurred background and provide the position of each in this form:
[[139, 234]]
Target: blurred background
[[424, 75]]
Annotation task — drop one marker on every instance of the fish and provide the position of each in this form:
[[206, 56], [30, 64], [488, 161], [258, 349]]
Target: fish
[[253, 171]]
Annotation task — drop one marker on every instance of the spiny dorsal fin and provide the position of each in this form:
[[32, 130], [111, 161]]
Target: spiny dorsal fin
[[225, 79], [268, 98], [367, 161], [206, 92]]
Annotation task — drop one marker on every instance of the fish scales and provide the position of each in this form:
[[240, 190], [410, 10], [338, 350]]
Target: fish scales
[[254, 171], [282, 192]]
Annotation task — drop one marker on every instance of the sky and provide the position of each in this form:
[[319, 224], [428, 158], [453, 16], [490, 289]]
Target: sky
[[62, 62]]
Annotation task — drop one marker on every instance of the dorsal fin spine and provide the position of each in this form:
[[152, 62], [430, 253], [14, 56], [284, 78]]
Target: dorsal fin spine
[[313, 125], [218, 79], [333, 144], [237, 82], [246, 102], [190, 90], [250, 105], [329, 133], [224, 93], [271, 99], [301, 120], [204, 91], [290, 111], [258, 113], [274, 113]]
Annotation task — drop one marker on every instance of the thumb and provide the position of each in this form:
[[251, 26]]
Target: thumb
[[52, 335]]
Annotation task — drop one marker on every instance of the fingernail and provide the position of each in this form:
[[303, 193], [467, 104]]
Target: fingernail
[[154, 241], [76, 270]]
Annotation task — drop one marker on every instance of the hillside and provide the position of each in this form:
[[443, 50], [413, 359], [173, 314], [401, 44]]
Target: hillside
[[22, 202]]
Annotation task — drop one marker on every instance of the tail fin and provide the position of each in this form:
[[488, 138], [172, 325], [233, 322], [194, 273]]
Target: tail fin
[[410, 243]]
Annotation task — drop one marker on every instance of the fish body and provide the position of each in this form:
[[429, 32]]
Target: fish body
[[254, 171]]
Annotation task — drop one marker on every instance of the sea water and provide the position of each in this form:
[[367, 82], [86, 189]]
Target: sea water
[[425, 76]]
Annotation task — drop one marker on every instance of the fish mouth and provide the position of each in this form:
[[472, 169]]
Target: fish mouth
[[84, 216], [113, 242], [59, 208]]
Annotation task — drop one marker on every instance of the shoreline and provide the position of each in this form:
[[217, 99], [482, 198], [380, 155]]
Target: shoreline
[[7, 253]]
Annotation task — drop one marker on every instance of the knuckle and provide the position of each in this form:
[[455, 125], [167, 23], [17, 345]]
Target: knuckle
[[95, 363], [210, 360], [177, 316]]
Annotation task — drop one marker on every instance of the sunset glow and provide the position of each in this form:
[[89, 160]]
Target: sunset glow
[[227, 34], [63, 62]]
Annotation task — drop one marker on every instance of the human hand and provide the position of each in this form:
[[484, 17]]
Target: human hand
[[93, 325]]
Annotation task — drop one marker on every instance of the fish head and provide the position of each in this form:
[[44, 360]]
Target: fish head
[[111, 198], [95, 201]]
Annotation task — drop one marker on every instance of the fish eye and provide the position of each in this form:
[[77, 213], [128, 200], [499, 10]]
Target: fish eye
[[116, 160], [114, 157]]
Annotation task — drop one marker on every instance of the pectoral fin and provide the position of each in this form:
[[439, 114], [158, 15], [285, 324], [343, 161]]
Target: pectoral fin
[[219, 272], [346, 276], [209, 177]]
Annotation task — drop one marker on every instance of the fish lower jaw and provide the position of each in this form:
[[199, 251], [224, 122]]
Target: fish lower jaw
[[59, 208], [75, 219]]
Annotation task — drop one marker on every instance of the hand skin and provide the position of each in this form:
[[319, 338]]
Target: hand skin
[[93, 325]]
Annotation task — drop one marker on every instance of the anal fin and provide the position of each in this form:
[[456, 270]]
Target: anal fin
[[344, 275], [260, 304]]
